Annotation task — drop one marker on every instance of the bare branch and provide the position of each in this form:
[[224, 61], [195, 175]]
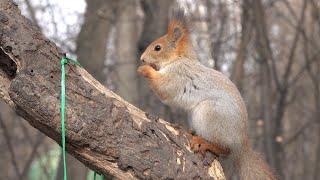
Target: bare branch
[[264, 47], [295, 136], [294, 45], [303, 68]]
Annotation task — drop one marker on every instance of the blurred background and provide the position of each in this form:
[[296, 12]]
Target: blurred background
[[269, 48]]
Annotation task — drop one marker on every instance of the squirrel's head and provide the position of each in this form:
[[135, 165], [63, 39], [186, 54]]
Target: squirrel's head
[[172, 46]]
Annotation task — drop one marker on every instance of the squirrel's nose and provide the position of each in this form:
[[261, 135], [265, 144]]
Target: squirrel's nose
[[142, 58]]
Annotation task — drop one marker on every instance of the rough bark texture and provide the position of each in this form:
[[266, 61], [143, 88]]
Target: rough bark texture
[[103, 131]]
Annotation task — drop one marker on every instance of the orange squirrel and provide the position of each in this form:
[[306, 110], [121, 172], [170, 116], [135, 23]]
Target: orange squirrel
[[216, 109]]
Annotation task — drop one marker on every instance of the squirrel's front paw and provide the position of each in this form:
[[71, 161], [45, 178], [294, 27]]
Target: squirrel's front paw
[[147, 71]]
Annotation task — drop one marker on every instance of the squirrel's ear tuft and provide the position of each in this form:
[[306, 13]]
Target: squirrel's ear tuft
[[179, 26]]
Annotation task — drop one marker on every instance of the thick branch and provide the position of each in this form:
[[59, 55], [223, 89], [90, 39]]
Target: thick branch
[[103, 131]]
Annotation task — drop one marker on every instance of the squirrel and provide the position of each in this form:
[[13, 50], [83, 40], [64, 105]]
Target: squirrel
[[216, 110]]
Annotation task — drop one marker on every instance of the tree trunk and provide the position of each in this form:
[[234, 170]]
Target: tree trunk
[[156, 21], [103, 131], [92, 39], [127, 35], [273, 148], [237, 75]]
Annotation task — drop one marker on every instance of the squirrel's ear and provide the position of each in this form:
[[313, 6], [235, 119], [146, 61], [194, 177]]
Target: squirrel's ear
[[177, 33], [178, 27]]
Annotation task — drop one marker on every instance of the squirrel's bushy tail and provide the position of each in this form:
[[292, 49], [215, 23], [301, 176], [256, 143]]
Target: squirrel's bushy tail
[[253, 167]]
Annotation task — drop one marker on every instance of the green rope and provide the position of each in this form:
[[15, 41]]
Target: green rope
[[101, 177], [63, 62], [63, 103]]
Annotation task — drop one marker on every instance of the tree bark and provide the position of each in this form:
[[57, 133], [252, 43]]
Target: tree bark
[[91, 52], [103, 131]]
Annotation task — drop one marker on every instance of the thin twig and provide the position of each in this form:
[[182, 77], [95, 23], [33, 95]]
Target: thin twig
[[298, 133], [294, 46]]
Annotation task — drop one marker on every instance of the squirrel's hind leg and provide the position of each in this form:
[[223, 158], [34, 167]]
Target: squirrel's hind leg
[[198, 144]]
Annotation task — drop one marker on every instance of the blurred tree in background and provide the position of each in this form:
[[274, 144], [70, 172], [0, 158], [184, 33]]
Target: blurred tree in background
[[270, 49]]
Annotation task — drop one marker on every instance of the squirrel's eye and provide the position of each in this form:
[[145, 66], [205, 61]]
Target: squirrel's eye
[[157, 48]]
